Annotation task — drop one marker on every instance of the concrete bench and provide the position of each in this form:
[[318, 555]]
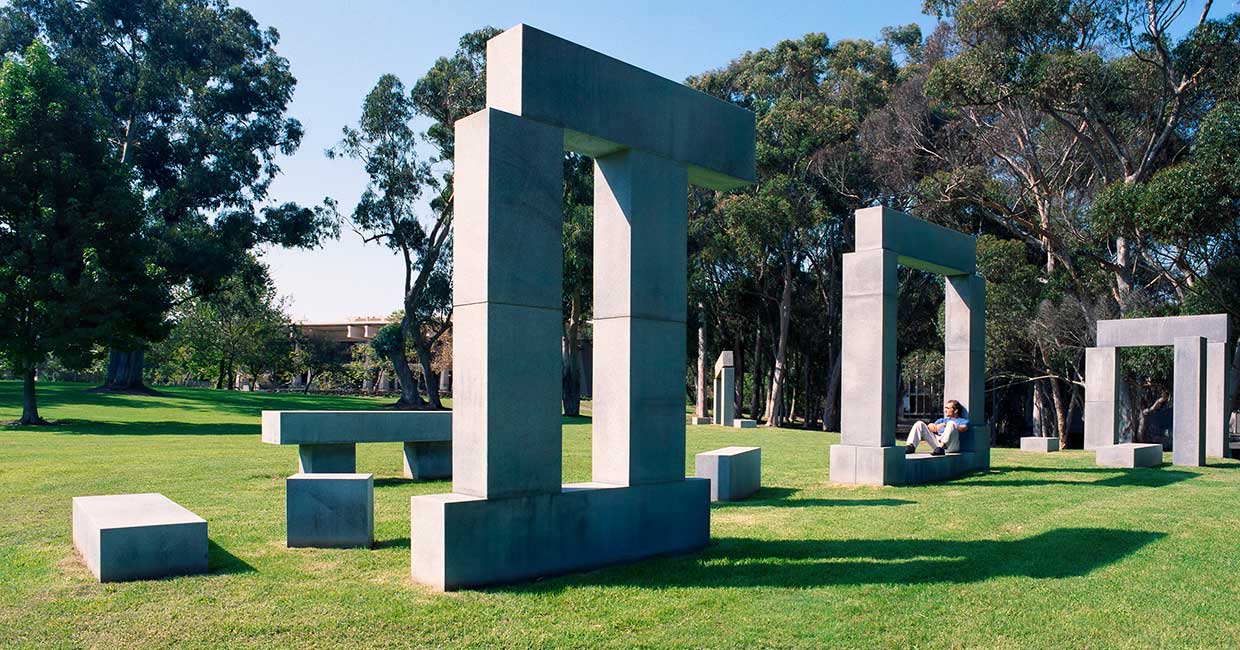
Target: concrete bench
[[138, 536], [1039, 444], [734, 472], [928, 468], [744, 424], [1129, 454], [326, 440], [330, 510]]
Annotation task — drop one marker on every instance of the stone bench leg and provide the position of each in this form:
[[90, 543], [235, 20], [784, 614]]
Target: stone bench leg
[[428, 460], [327, 459]]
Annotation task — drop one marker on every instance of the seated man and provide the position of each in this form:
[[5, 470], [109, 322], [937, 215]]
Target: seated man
[[942, 435]]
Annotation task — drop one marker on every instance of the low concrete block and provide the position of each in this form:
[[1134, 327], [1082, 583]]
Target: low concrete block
[[428, 460], [867, 465], [740, 423], [1130, 454], [330, 510], [926, 468], [138, 536], [461, 541], [734, 472], [697, 420], [1039, 444]]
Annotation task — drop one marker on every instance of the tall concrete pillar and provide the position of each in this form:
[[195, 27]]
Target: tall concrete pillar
[[868, 370], [1189, 408], [640, 231], [507, 307], [1101, 397], [725, 390], [1216, 399], [964, 350]]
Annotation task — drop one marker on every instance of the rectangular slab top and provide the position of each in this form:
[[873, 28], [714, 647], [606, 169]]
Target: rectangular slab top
[[1139, 332], [351, 427], [133, 510], [606, 105], [724, 361], [730, 451], [916, 243]]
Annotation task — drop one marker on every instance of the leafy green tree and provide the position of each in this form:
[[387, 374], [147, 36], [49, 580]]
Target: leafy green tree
[[70, 224], [194, 96]]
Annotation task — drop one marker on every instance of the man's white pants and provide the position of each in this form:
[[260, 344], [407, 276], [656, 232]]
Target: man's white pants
[[948, 438]]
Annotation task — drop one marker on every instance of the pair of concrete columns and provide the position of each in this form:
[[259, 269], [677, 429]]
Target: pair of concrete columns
[[1199, 395], [725, 390], [868, 451], [508, 517]]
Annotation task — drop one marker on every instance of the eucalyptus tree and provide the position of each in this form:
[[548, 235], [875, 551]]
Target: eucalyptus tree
[[194, 96]]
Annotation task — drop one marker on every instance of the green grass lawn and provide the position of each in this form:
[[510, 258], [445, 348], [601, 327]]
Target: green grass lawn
[[1043, 551]]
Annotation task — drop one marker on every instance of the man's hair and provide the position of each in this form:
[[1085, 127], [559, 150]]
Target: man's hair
[[956, 407]]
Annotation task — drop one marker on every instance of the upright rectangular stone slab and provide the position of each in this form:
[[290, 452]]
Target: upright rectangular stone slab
[[640, 294], [1216, 390], [138, 536], [868, 372], [735, 473], [1101, 388], [1189, 405], [507, 295], [725, 389], [964, 355]]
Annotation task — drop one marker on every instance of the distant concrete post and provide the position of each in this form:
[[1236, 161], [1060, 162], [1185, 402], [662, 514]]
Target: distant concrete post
[[725, 390], [1101, 397]]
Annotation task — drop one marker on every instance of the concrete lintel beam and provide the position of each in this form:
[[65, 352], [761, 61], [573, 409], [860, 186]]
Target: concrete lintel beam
[[1139, 332], [605, 105], [919, 244]]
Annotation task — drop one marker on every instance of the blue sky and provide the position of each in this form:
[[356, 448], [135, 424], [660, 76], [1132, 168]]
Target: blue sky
[[338, 50]]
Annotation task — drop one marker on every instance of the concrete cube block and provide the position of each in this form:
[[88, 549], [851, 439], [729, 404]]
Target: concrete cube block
[[744, 423], [867, 465], [1129, 454], [1039, 444], [734, 472], [698, 421], [330, 510], [138, 536]]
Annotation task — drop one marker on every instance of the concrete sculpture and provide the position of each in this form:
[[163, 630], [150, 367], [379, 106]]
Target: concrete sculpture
[[735, 473], [1200, 385], [508, 517], [138, 536], [725, 390], [867, 452], [327, 440], [330, 510]]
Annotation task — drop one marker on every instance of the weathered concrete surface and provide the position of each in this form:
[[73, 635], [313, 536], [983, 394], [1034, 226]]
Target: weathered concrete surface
[[605, 105], [352, 427], [1129, 454], [1039, 444], [724, 410], [460, 541], [1188, 430], [330, 510], [1101, 397], [138, 536], [735, 473], [885, 239], [1142, 332], [744, 423]]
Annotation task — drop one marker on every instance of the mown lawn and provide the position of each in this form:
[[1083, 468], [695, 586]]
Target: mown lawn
[[1043, 551]]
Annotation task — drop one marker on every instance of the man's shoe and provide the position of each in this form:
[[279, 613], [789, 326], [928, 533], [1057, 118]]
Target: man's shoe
[[938, 451], [910, 449]]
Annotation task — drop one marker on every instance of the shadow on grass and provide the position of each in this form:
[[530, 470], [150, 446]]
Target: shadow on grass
[[1139, 477], [745, 562], [154, 428], [778, 497], [396, 542], [221, 562]]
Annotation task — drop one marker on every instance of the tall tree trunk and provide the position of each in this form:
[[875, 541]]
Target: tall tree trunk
[[571, 357], [775, 398], [830, 410], [30, 402], [1061, 412], [429, 376], [756, 398], [409, 396], [738, 398], [219, 374], [699, 407], [124, 373]]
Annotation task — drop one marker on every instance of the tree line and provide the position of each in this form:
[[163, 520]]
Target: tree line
[[1091, 146]]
